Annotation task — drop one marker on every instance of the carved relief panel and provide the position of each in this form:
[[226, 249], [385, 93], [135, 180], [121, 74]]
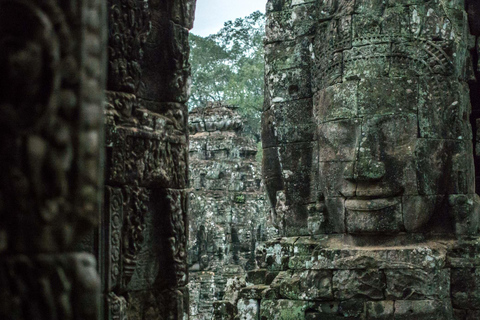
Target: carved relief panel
[[52, 65]]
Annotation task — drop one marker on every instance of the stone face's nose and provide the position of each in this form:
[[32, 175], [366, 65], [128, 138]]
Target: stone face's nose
[[369, 170], [364, 169]]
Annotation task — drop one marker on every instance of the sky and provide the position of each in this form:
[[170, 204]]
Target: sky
[[211, 14]]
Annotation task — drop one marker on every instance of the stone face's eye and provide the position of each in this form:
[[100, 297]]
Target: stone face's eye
[[338, 140]]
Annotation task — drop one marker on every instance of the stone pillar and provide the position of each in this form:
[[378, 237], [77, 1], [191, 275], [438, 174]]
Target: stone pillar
[[52, 66], [144, 227], [369, 160]]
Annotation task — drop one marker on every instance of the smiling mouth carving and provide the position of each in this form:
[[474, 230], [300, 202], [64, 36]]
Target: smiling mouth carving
[[371, 204]]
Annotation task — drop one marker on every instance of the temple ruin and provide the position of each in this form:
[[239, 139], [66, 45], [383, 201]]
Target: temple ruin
[[370, 134], [228, 211]]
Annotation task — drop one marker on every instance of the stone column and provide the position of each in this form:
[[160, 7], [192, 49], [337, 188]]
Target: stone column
[[144, 227], [52, 66]]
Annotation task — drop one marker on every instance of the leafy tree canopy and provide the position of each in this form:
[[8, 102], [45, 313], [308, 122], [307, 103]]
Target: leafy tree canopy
[[228, 67]]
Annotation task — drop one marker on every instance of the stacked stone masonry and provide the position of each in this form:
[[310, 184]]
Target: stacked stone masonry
[[228, 210], [369, 164], [143, 234], [368, 161]]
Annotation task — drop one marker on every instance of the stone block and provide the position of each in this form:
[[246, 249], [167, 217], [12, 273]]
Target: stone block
[[171, 85], [149, 158], [379, 310], [329, 9], [387, 96], [287, 55], [336, 310], [465, 288], [290, 23], [410, 59], [298, 170], [376, 66], [335, 215], [333, 253], [444, 109], [417, 284], [339, 140], [331, 310], [386, 155], [289, 85], [333, 183], [254, 292], [294, 121], [248, 309], [328, 68], [348, 284], [465, 210], [224, 310], [278, 252], [306, 285], [423, 310], [257, 276], [67, 283], [374, 7], [428, 22], [465, 253], [436, 177], [336, 102], [388, 220], [419, 212], [283, 309]]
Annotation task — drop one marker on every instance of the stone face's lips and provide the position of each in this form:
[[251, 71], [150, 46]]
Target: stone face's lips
[[371, 204]]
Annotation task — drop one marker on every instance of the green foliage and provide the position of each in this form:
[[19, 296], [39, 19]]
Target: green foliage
[[228, 67], [239, 198]]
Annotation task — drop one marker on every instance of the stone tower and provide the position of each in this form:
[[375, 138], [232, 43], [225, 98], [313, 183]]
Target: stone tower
[[369, 161], [228, 211]]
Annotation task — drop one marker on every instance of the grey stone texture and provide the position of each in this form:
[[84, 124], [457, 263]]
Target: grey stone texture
[[52, 57], [369, 116], [228, 212], [60, 137], [143, 234]]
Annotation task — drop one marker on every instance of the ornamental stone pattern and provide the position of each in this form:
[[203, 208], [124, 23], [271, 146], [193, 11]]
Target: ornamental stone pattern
[[368, 162], [52, 57], [228, 212], [143, 234]]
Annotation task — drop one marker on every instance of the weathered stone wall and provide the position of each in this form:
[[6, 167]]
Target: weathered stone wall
[[473, 10], [52, 66], [143, 234], [368, 162], [228, 209]]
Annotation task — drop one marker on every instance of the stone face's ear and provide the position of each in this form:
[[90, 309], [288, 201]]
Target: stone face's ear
[[465, 211]]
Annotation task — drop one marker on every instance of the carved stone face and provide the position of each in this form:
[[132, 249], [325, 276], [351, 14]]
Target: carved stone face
[[395, 150], [376, 167]]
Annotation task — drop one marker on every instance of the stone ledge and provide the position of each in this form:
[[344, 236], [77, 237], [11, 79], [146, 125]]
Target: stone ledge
[[347, 252]]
